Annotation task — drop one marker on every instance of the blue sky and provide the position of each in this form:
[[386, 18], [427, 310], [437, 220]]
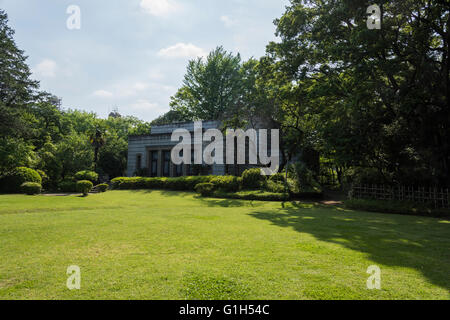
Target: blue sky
[[132, 54]]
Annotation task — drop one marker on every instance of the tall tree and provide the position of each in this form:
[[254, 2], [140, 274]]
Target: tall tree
[[17, 91], [375, 98], [210, 86]]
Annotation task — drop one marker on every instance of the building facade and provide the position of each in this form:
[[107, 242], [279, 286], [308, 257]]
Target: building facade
[[150, 155]]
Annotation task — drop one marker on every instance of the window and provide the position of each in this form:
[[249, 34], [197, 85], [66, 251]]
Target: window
[[166, 164], [154, 163], [139, 162]]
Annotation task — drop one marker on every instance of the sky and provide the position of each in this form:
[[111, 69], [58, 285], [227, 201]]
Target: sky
[[132, 54]]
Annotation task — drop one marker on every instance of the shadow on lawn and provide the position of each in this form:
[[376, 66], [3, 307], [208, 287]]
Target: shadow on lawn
[[413, 242]]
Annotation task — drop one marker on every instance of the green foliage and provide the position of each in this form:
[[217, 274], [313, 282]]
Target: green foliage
[[44, 177], [31, 188], [275, 186], [205, 189], [67, 185], [87, 175], [363, 97], [11, 182], [103, 187], [84, 186], [303, 177], [398, 207], [278, 177], [252, 178], [18, 90], [210, 88], [15, 152], [253, 195], [226, 183], [74, 154], [178, 184]]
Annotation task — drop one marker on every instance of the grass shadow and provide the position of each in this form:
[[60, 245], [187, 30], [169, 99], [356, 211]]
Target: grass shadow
[[413, 242]]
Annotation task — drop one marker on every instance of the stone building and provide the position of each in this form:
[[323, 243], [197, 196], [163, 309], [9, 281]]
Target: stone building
[[149, 155]]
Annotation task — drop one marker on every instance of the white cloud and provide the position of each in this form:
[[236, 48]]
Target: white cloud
[[227, 21], [103, 94], [182, 50], [46, 68], [145, 105], [159, 8], [126, 90]]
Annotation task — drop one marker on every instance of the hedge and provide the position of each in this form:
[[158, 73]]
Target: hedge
[[11, 183], [101, 187], [252, 178], [205, 189], [396, 207], [252, 195], [31, 188], [226, 183], [176, 184]]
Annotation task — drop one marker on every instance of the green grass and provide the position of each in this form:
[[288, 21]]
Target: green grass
[[172, 245]]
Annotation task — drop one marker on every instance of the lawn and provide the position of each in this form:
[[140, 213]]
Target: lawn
[[172, 245]]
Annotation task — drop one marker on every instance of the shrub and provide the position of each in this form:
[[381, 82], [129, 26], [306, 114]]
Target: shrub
[[395, 206], [31, 188], [253, 195], [205, 189], [87, 175], [67, 186], [252, 178], [226, 183], [101, 187], [12, 182], [275, 186], [277, 177], [84, 186], [177, 184], [45, 179]]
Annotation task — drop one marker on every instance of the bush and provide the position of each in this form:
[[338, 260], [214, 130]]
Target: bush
[[275, 186], [102, 187], [12, 182], [398, 207], [253, 195], [84, 186], [45, 179], [205, 189], [252, 178], [31, 188], [226, 183], [87, 175], [277, 177], [177, 184], [67, 186]]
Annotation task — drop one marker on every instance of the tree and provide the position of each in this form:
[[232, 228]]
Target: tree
[[210, 87], [371, 98], [97, 141], [17, 90], [74, 153]]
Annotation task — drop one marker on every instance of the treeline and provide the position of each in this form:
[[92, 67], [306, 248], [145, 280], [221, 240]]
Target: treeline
[[36, 133], [374, 103]]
